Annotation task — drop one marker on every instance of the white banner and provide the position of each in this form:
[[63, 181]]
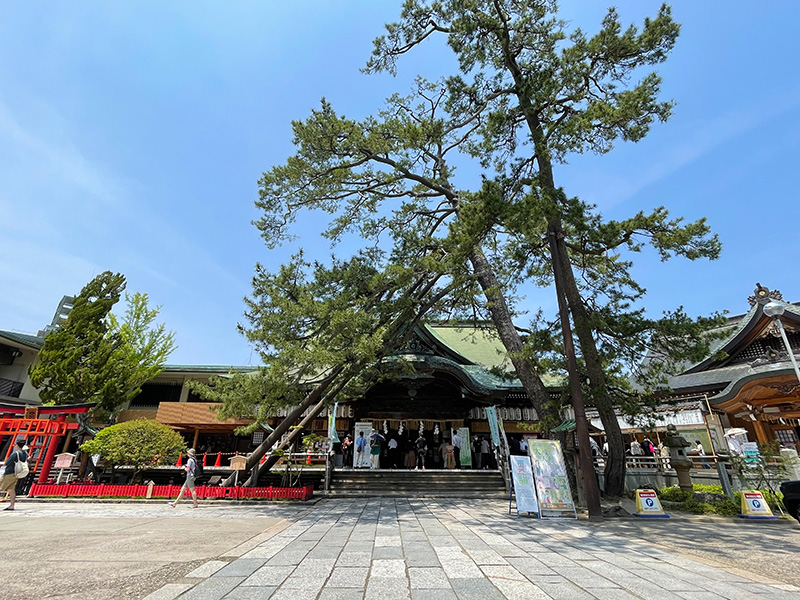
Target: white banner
[[524, 489]]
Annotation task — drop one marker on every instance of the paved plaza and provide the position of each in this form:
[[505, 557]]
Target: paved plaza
[[387, 549]]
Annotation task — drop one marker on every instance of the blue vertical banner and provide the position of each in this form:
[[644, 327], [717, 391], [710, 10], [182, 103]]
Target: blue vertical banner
[[332, 435]]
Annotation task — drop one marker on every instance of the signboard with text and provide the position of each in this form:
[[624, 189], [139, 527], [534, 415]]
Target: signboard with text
[[550, 475], [524, 488]]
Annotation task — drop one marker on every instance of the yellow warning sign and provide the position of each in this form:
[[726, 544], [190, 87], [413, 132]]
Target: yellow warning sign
[[648, 505], [754, 506]]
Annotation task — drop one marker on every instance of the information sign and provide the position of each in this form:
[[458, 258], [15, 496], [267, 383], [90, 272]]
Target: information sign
[[754, 506], [648, 505], [552, 485], [750, 451], [524, 489]]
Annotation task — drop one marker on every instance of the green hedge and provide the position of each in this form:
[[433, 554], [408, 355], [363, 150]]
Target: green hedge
[[727, 507]]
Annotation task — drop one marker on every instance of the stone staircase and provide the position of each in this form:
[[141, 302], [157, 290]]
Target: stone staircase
[[401, 483]]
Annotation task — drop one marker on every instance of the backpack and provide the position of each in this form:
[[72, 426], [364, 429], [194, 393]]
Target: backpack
[[21, 468], [198, 468]]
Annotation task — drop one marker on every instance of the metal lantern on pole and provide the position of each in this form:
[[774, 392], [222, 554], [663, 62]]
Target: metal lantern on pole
[[775, 310]]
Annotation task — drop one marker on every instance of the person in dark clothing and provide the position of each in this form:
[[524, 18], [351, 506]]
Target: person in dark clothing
[[9, 481], [421, 447]]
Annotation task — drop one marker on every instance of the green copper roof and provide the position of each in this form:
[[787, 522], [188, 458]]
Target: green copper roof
[[31, 341]]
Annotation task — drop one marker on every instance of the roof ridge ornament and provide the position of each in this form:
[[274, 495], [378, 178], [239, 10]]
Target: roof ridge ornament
[[762, 295]]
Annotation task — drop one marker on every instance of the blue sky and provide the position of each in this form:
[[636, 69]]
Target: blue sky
[[132, 136]]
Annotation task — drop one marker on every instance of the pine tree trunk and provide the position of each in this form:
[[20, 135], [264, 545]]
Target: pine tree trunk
[[501, 317], [614, 473]]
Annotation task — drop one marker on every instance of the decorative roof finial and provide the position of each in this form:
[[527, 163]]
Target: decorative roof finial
[[762, 295]]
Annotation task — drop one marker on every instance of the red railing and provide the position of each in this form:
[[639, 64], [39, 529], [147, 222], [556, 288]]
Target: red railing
[[102, 490]]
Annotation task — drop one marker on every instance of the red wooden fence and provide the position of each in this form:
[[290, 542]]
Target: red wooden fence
[[102, 490]]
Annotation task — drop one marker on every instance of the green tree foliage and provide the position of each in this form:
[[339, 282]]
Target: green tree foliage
[[142, 444], [529, 93], [96, 357]]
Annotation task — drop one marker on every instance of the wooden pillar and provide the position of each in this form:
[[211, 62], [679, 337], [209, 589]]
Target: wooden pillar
[[196, 438], [52, 446], [761, 432]]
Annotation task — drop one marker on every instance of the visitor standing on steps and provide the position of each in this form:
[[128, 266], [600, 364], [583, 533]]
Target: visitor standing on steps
[[457, 448]]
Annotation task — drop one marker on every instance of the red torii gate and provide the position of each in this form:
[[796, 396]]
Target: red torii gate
[[42, 434]]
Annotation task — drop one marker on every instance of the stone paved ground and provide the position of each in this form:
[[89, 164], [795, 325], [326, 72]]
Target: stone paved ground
[[447, 549], [383, 548]]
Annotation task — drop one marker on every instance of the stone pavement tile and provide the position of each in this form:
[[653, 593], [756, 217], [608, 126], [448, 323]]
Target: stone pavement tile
[[470, 588], [207, 569], [614, 593], [422, 559], [287, 558], [325, 552], [486, 557], [213, 588], [348, 577], [387, 552], [354, 559], [315, 567], [251, 593], [333, 593], [391, 588], [413, 536], [436, 594], [645, 589], [670, 581], [241, 567], [529, 566], [518, 590], [459, 566], [554, 559], [387, 540], [265, 552], [443, 541], [562, 589], [303, 585], [428, 578], [169, 591], [269, 575], [701, 595], [740, 591], [388, 568], [356, 545]]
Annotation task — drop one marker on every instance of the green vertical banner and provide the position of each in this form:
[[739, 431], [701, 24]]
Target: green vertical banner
[[332, 435], [466, 447], [491, 416]]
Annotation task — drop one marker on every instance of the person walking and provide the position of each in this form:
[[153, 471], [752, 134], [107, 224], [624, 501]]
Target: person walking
[[484, 453], [191, 468], [421, 448], [456, 441], [375, 451], [393, 452], [361, 451], [10, 476], [347, 451]]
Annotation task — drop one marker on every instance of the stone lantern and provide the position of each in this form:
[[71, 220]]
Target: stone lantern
[[677, 445]]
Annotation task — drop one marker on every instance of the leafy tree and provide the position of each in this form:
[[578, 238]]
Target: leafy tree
[[142, 444], [95, 357], [524, 100], [323, 332]]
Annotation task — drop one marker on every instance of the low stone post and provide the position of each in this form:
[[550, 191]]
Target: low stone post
[[678, 459]]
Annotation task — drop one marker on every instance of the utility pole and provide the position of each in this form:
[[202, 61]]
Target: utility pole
[[584, 447]]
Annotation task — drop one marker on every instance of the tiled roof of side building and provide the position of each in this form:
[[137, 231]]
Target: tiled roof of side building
[[209, 368], [31, 341]]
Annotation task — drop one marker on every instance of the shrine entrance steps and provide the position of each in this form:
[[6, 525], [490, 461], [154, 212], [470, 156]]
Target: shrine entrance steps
[[403, 483]]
